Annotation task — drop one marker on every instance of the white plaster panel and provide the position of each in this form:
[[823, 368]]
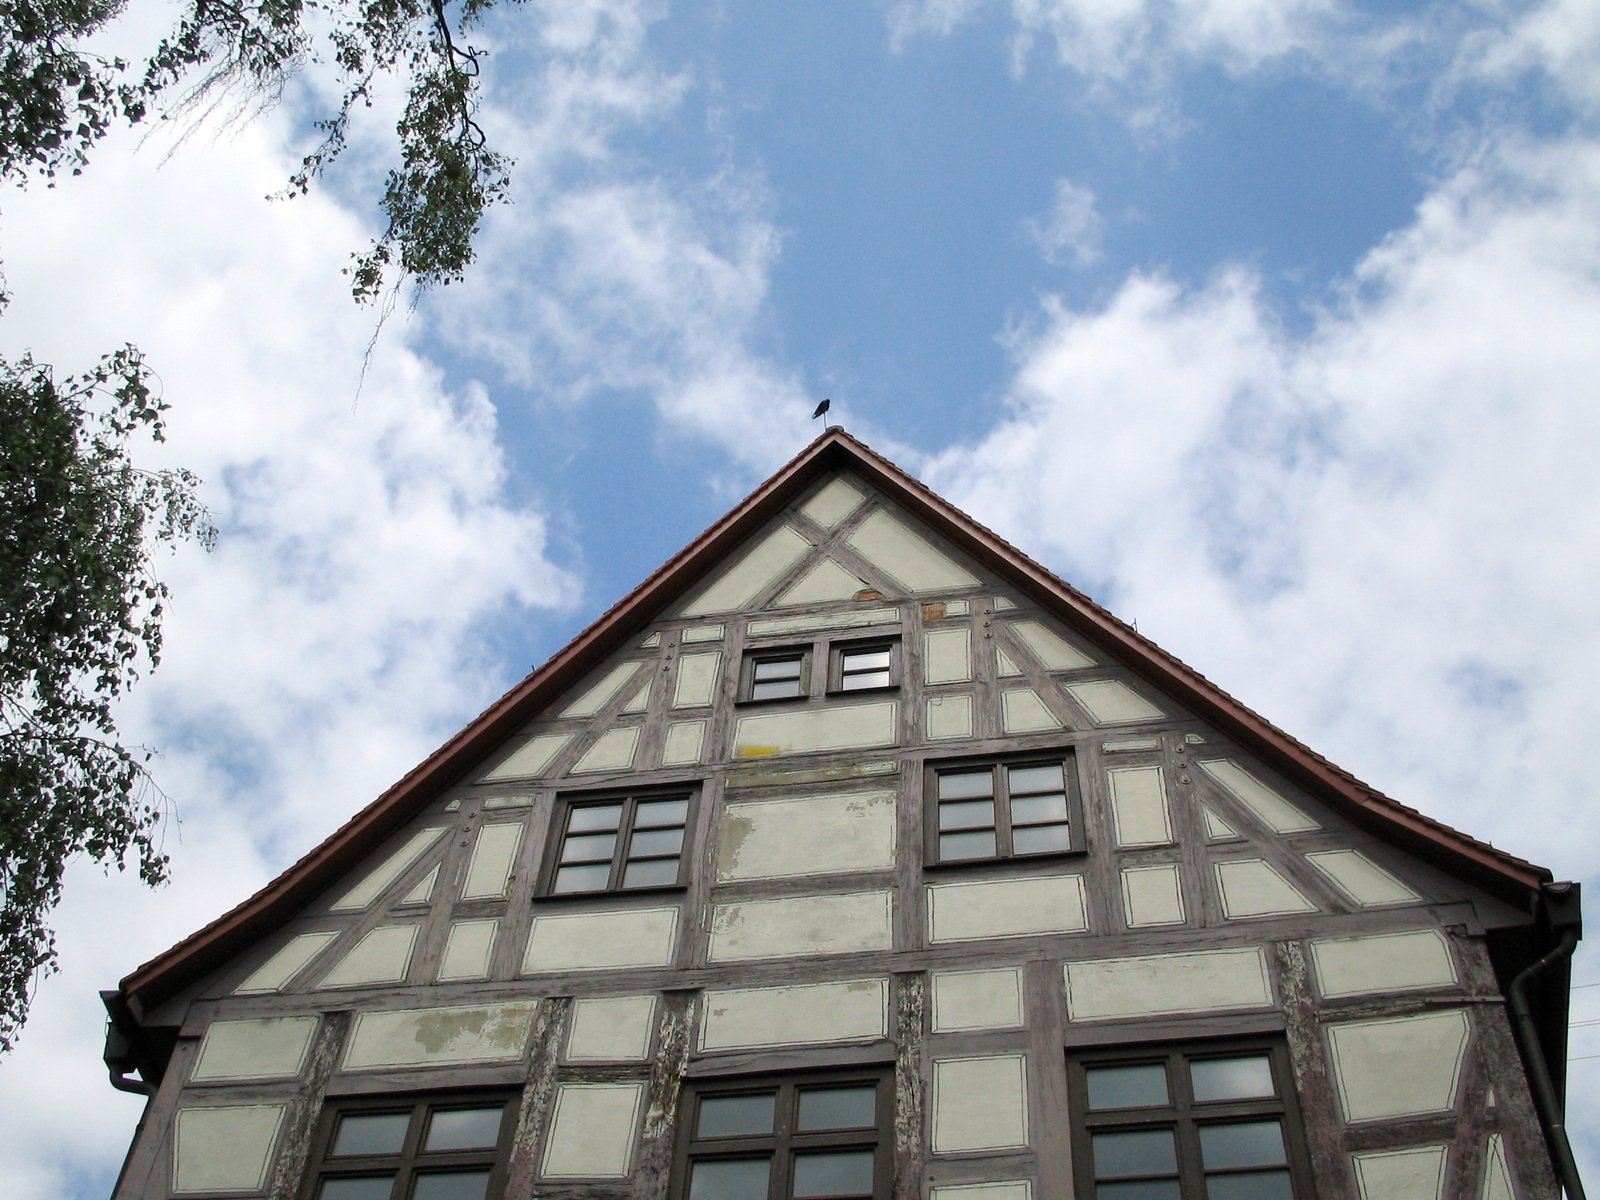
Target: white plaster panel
[[493, 856], [640, 700], [1055, 652], [685, 743], [947, 656], [1385, 962], [949, 717], [1217, 830], [430, 1037], [1415, 1173], [854, 619], [277, 971], [831, 727], [957, 608], [816, 835], [980, 1103], [1400, 1066], [1128, 745], [1363, 880], [592, 941], [904, 554], [226, 1148], [997, 908], [1271, 809], [989, 999], [612, 751], [383, 955], [853, 1010], [467, 950], [599, 693], [379, 880], [531, 758], [1152, 895], [795, 926], [422, 891], [1021, 711], [1112, 702], [1139, 806], [1004, 666], [1000, 1189], [1252, 887], [1496, 1175], [832, 503], [702, 633], [824, 581], [651, 642], [611, 1028], [260, 1048], [757, 569], [1151, 985], [592, 1130], [697, 679], [1001, 603]]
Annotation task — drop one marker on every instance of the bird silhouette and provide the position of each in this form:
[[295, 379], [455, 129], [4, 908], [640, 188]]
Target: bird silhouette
[[821, 408]]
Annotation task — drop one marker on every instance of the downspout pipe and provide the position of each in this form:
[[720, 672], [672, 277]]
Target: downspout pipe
[[1561, 907], [121, 1053]]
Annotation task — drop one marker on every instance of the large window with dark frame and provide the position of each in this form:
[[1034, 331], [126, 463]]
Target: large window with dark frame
[[1196, 1122], [1003, 808], [445, 1147], [800, 1137], [618, 843]]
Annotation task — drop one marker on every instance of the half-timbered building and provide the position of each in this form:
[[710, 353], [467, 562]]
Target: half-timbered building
[[854, 854]]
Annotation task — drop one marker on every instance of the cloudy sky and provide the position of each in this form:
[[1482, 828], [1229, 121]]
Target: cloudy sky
[[1272, 324]]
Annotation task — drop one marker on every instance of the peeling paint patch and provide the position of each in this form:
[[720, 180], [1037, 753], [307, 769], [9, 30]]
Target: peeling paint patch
[[426, 1037]]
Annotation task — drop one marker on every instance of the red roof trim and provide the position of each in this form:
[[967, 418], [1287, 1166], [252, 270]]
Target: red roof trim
[[1498, 872]]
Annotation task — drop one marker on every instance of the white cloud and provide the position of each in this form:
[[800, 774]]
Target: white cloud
[[1559, 40], [1072, 230], [1379, 534]]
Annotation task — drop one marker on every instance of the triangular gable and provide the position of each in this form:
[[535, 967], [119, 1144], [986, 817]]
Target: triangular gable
[[718, 572]]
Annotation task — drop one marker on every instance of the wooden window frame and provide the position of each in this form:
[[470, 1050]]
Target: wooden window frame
[[411, 1161], [839, 649], [785, 1140], [630, 799], [760, 654], [1182, 1113], [1066, 757], [821, 667]]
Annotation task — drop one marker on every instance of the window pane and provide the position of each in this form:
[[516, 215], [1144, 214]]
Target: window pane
[[371, 1133], [1145, 1152], [856, 681], [656, 841], [1232, 1078], [1127, 1087], [1145, 1189], [965, 785], [778, 668], [1045, 778], [865, 660], [734, 1116], [956, 846], [967, 814], [839, 1108], [1040, 839], [1252, 1144], [836, 1173], [464, 1128], [652, 872], [452, 1185], [368, 1187], [1260, 1185], [590, 847], [594, 816], [582, 879], [658, 814], [776, 690], [729, 1179], [1038, 810]]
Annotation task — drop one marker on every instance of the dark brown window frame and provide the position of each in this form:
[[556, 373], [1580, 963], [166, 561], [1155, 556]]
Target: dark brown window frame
[[782, 1144], [411, 1161], [1184, 1115], [821, 666], [836, 655], [560, 821], [779, 653], [1065, 756]]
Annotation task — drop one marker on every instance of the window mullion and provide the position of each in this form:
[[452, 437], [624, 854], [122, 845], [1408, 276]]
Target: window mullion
[[619, 857], [1002, 811]]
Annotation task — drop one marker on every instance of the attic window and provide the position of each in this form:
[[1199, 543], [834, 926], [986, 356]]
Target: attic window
[[785, 672], [860, 668], [779, 675], [984, 810], [618, 843]]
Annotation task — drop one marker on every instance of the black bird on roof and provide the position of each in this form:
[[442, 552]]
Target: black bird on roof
[[821, 408]]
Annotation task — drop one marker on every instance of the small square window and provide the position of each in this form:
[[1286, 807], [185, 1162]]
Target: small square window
[[865, 666], [618, 843], [778, 674], [424, 1148], [980, 811]]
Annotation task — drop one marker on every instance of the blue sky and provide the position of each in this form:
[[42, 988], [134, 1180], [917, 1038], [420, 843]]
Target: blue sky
[[1270, 323]]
